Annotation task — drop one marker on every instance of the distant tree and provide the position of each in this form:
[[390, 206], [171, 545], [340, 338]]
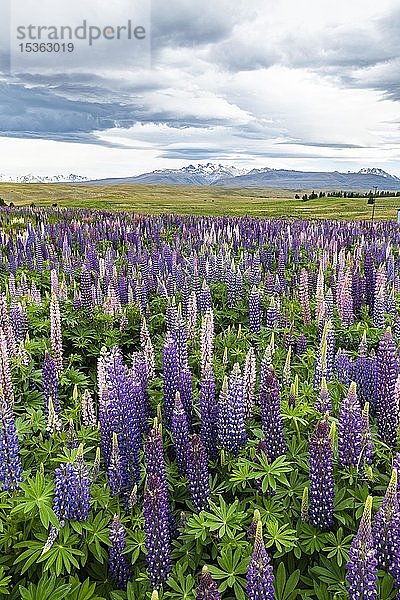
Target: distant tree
[[12, 205], [371, 200], [305, 197], [2, 202], [297, 197], [54, 205]]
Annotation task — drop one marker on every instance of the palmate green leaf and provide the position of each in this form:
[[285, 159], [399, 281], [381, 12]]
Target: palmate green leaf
[[281, 536], [231, 571], [311, 539], [270, 473], [338, 546], [330, 573], [227, 520], [48, 588], [38, 499]]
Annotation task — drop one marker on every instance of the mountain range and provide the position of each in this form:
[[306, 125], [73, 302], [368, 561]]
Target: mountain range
[[221, 175], [216, 174], [72, 178]]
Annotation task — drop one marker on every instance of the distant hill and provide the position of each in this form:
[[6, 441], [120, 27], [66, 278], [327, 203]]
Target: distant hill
[[72, 178], [220, 175]]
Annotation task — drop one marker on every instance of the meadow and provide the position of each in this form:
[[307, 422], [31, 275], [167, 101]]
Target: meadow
[[217, 201], [199, 408]]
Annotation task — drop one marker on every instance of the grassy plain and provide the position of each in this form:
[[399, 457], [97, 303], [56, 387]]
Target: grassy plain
[[156, 199]]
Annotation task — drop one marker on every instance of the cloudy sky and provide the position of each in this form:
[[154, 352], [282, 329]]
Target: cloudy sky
[[300, 84]]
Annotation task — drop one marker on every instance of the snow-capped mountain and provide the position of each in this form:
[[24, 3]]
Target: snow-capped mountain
[[200, 174], [376, 171], [72, 178]]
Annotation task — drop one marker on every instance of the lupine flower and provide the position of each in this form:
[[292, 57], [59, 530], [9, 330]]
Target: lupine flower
[[323, 403], [10, 461], [122, 415], [197, 473], [350, 430], [55, 332], [66, 485], [231, 426], [260, 577], [180, 434], [362, 571], [386, 526], [254, 311], [6, 385], [118, 563], [249, 382], [156, 527], [83, 509], [387, 370], [301, 344], [271, 417], [185, 390], [208, 412], [367, 444], [321, 478], [88, 411], [207, 588], [170, 377], [207, 339], [50, 384]]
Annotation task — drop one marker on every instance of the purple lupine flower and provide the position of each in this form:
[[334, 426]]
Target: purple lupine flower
[[50, 384], [301, 344], [350, 430], [10, 461], [170, 377], [321, 478], [204, 299], [344, 367], [55, 332], [260, 576], [180, 434], [185, 390], [254, 311], [362, 571], [155, 463], [83, 496], [207, 588], [271, 417], [387, 370], [118, 563], [122, 415], [364, 372], [114, 471], [197, 474], [367, 444], [208, 412], [323, 403], [156, 527], [386, 526], [249, 382], [231, 425], [66, 486]]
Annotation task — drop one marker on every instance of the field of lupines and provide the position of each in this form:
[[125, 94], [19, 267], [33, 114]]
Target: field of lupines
[[198, 408]]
